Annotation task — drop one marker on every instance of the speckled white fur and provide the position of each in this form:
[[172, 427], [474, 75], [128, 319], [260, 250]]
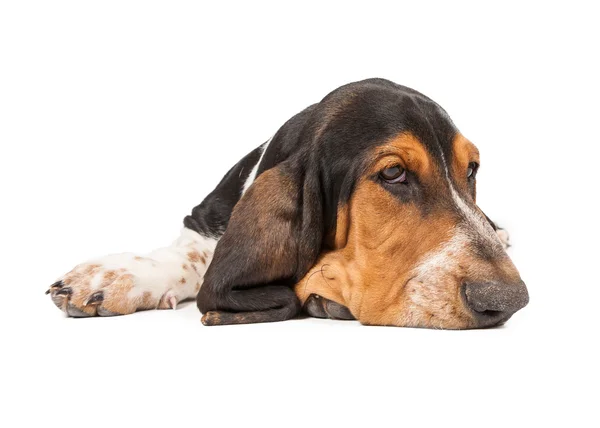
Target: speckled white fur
[[168, 274], [162, 272], [254, 171]]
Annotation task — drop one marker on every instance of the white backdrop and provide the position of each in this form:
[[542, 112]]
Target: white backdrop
[[117, 117]]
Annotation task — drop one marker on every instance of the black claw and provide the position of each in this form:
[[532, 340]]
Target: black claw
[[57, 284], [66, 291], [95, 298]]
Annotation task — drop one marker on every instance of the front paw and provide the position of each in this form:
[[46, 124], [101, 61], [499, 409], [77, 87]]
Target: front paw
[[90, 289], [106, 288]]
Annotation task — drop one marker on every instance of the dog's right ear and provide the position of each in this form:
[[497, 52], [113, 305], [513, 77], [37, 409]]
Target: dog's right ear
[[273, 238]]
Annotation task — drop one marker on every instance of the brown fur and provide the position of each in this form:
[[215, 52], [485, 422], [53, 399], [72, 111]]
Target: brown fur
[[115, 296], [79, 279], [195, 257], [380, 243], [464, 153], [264, 217]]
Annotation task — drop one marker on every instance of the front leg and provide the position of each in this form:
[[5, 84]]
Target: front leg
[[125, 283], [320, 307]]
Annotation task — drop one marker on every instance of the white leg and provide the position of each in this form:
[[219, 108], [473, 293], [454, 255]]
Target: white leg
[[124, 283]]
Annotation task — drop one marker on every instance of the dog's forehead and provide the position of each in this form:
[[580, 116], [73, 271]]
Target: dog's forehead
[[356, 118]]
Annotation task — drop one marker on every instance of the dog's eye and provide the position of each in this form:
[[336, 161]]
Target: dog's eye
[[472, 170], [395, 174]]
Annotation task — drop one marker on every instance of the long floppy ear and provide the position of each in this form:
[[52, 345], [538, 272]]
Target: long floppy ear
[[273, 238]]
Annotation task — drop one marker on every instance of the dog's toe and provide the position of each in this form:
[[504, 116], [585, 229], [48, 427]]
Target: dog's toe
[[60, 295], [91, 290], [95, 299], [75, 312], [319, 307]]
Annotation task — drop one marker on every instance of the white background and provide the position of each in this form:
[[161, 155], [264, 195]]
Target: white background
[[117, 117]]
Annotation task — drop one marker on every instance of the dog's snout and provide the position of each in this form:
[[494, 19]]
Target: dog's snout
[[494, 303]]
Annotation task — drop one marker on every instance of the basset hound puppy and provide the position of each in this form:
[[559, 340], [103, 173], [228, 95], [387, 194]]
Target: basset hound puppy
[[361, 206]]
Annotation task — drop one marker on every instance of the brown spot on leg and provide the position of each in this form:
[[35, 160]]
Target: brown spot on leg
[[91, 269], [145, 259], [195, 257], [108, 277], [116, 299], [148, 302], [81, 283], [195, 269]]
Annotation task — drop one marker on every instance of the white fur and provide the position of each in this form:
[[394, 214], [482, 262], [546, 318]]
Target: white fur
[[475, 221], [254, 171], [437, 266], [440, 260], [161, 271], [427, 293]]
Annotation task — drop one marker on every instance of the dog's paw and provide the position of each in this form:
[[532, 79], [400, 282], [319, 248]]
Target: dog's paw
[[123, 284], [504, 238]]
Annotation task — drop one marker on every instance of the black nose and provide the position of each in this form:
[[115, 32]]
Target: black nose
[[494, 303]]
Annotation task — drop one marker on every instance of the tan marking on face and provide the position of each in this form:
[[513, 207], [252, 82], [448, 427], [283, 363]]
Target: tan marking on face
[[407, 151], [393, 263], [464, 152], [342, 228]]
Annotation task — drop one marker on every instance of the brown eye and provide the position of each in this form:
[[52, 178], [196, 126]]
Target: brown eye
[[472, 170], [395, 174]]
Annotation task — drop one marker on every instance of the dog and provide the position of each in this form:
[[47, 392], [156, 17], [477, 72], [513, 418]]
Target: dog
[[361, 206]]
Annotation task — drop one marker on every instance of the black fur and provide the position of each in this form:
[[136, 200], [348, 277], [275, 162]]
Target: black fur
[[323, 151], [211, 217]]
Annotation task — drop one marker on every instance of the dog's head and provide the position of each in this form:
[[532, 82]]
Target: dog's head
[[374, 208]]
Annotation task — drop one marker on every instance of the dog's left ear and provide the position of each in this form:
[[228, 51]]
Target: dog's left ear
[[273, 238]]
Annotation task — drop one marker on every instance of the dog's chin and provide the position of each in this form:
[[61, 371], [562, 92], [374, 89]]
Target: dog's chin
[[425, 320]]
